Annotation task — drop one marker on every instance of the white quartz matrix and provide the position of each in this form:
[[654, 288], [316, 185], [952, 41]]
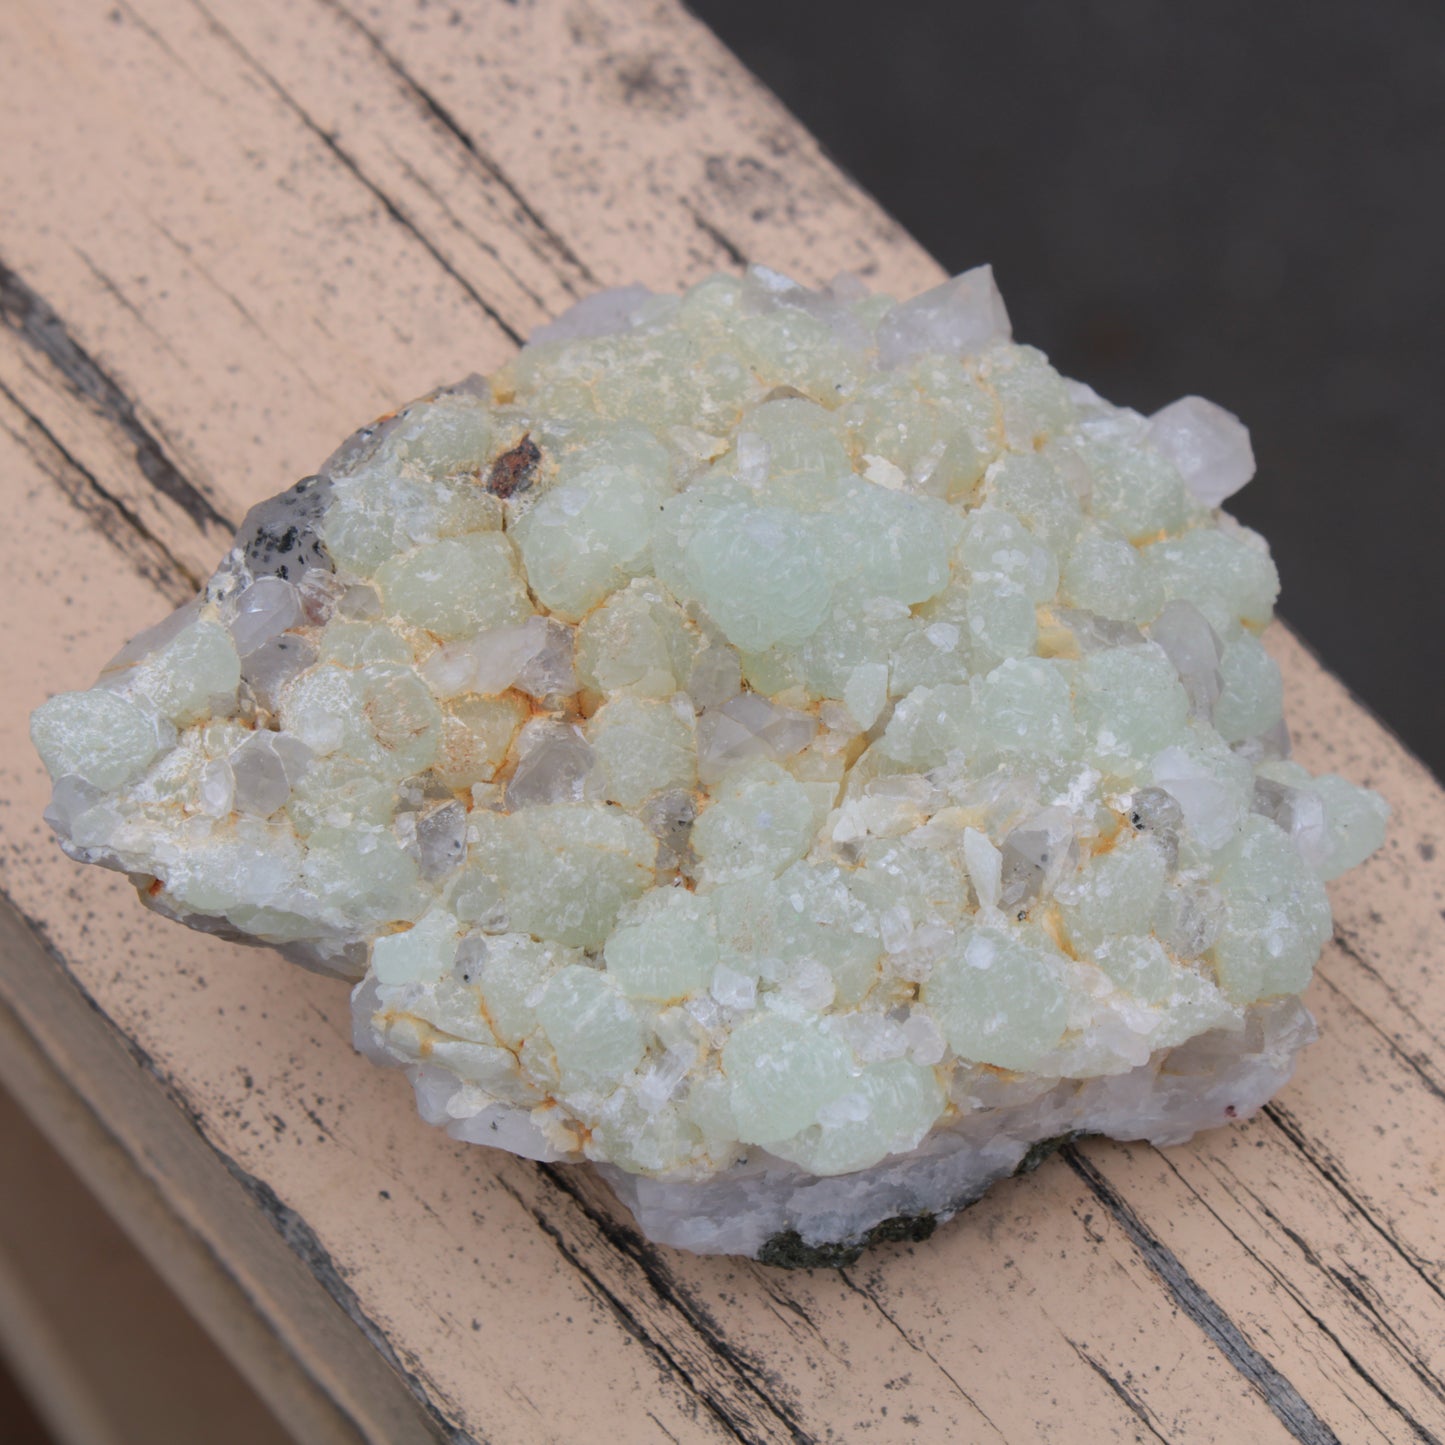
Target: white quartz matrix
[[765, 741]]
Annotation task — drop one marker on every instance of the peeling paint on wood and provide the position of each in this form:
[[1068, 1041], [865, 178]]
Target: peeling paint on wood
[[324, 208]]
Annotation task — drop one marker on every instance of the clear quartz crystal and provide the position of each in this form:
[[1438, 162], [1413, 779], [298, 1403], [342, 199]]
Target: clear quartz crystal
[[268, 668], [1208, 444], [548, 672], [1157, 812], [716, 677], [264, 769], [555, 762], [1193, 646], [789, 747], [749, 726], [1300, 812], [959, 317], [669, 817], [441, 837], [1035, 855], [265, 609]]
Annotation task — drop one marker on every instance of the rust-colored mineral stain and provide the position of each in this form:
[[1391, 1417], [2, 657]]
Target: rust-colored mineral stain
[[513, 471]]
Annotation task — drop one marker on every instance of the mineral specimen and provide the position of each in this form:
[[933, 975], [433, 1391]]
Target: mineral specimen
[[790, 748]]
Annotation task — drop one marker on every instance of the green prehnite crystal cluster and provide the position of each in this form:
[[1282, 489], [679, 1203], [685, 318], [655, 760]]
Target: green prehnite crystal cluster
[[789, 746]]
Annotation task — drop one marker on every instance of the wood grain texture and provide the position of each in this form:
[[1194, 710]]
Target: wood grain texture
[[232, 232]]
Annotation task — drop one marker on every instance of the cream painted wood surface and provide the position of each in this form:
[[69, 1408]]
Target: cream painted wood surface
[[232, 231]]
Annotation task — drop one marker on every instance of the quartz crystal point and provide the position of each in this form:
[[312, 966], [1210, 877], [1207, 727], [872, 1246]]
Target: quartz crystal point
[[789, 748]]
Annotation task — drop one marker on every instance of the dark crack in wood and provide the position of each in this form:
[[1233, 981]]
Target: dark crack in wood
[[35, 322], [112, 518], [1131, 1401], [353, 167], [724, 1411], [440, 115], [1346, 1354], [646, 1264], [1286, 1402], [1331, 1173]]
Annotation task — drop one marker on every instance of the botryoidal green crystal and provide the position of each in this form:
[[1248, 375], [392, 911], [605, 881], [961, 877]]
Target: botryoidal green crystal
[[790, 748]]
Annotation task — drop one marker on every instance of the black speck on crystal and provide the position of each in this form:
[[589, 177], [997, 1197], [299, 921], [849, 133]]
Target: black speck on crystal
[[281, 537]]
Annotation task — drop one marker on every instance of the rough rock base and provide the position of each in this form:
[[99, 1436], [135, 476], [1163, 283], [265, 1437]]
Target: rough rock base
[[776, 1213]]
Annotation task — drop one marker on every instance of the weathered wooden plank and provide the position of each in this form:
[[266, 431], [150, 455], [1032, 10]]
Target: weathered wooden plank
[[192, 1211], [104, 1349], [83, 432], [319, 210], [1315, 1279]]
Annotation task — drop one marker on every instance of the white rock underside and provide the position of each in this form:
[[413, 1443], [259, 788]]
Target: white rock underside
[[1219, 1077], [1213, 1079]]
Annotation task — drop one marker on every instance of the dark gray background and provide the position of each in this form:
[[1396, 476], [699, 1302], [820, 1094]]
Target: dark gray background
[[1238, 199]]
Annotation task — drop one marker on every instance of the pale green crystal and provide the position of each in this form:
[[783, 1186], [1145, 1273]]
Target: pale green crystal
[[339, 792], [1105, 574], [1130, 705], [1028, 485], [587, 535], [383, 508], [565, 870], [1252, 699], [446, 438], [803, 452], [1136, 490], [759, 572], [1030, 394], [782, 1072], [808, 916], [882, 543], [1116, 892], [491, 1068], [643, 747], [1277, 916], [384, 716], [993, 542], [509, 978], [187, 675], [665, 946], [637, 640], [97, 736], [1023, 705], [894, 1105], [930, 724], [1001, 997], [362, 644], [456, 586], [252, 865], [1355, 820], [866, 692], [362, 871], [1228, 575], [933, 424], [849, 638], [759, 821], [594, 1032], [419, 955], [1001, 622], [476, 737], [934, 648], [1138, 963]]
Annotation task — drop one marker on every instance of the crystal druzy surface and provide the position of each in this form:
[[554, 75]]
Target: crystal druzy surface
[[792, 748]]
